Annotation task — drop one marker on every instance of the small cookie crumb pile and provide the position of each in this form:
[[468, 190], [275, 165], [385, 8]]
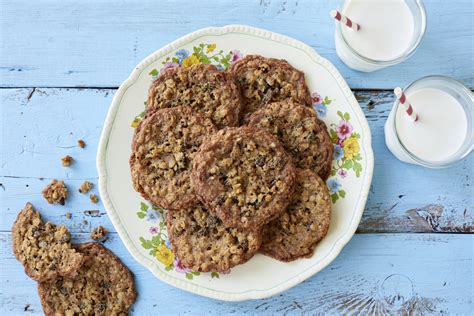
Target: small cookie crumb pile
[[66, 161], [85, 187], [68, 215], [94, 198], [56, 192], [99, 232]]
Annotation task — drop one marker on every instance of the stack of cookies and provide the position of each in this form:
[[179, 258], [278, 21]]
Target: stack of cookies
[[81, 279], [238, 159]]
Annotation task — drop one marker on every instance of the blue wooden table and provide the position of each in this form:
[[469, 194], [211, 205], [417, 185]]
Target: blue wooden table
[[60, 65]]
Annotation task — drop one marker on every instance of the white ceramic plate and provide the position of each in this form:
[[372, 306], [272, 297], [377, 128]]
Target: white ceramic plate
[[141, 227]]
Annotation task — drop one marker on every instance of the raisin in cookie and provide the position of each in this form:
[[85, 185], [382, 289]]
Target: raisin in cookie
[[163, 148], [243, 176], [263, 80], [203, 243], [103, 286], [302, 134], [202, 87], [306, 221], [43, 249]]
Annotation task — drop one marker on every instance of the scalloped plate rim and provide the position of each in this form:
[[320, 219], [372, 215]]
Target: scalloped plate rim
[[112, 213]]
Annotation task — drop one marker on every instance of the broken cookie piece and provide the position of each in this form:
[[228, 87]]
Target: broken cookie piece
[[99, 233], [56, 192], [103, 286], [94, 198], [44, 249], [66, 161], [81, 143], [85, 187]]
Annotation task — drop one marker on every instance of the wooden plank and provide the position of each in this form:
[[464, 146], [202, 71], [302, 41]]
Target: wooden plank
[[371, 272], [409, 198], [403, 198], [97, 44]]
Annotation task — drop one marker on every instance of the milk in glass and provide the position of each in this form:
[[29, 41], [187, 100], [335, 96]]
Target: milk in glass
[[390, 32], [443, 133]]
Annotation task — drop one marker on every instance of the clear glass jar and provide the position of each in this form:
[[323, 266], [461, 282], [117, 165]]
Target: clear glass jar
[[460, 93], [356, 61]]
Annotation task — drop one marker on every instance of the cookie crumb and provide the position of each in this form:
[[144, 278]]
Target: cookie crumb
[[99, 233], [66, 161], [94, 198], [68, 215], [85, 187], [81, 143], [56, 192], [85, 222]]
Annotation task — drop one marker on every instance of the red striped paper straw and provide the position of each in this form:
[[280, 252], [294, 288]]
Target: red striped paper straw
[[344, 20], [403, 100]]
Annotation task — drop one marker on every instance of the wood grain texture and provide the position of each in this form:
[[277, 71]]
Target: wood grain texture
[[371, 276], [403, 198], [98, 43], [409, 198]]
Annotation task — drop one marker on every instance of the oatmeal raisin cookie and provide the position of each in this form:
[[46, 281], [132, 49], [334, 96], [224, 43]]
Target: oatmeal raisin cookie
[[202, 87], [264, 80], [306, 221], [203, 243], [163, 148], [243, 176]]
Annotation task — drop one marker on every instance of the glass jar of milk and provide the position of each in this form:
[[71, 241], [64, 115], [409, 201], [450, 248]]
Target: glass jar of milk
[[444, 131], [390, 32]]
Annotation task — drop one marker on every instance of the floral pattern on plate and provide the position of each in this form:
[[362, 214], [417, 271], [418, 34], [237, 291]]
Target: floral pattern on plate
[[261, 277], [158, 243], [346, 147], [204, 53], [345, 141]]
